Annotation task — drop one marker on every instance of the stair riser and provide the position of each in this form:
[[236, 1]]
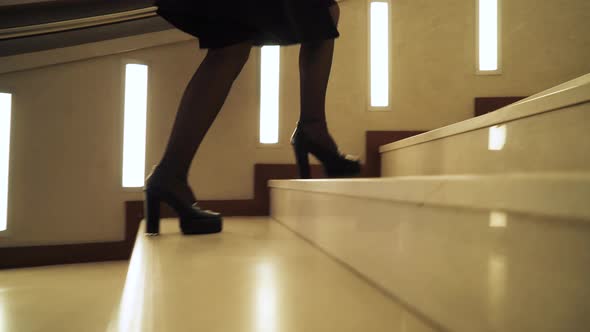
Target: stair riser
[[523, 274], [552, 141]]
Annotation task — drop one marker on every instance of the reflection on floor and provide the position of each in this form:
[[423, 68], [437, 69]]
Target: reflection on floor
[[255, 276]]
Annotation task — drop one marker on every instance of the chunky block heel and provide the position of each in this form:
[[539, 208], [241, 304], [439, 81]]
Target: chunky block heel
[[152, 214], [335, 164], [193, 219], [302, 158]]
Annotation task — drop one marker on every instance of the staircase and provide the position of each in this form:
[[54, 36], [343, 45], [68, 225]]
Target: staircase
[[483, 225]]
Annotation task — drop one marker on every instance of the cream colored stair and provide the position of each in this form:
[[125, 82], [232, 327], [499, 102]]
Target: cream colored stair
[[470, 238], [547, 132], [461, 251], [255, 276]]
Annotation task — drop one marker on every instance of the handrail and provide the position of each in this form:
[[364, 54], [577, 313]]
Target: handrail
[[39, 29]]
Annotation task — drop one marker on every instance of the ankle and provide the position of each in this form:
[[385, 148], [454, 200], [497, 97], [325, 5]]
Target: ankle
[[312, 120], [318, 132], [314, 125], [171, 173]]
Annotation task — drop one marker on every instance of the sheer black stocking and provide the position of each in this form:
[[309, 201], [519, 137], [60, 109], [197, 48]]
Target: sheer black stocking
[[202, 100], [315, 64]]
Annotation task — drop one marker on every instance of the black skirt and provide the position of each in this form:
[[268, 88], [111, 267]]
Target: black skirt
[[220, 23]]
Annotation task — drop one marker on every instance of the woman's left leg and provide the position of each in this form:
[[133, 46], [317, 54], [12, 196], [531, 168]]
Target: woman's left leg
[[202, 100]]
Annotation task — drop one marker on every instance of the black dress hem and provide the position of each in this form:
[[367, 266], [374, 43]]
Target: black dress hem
[[271, 22]]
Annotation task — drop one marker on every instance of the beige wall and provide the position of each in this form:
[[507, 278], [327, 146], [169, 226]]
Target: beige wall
[[544, 43], [66, 152]]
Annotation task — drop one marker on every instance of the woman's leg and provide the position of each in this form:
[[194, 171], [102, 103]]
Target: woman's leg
[[315, 64], [202, 100]]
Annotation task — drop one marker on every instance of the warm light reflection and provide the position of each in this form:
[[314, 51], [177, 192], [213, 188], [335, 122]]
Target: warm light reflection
[[130, 315], [488, 35], [134, 137], [269, 94], [4, 325], [497, 279], [497, 138], [379, 54], [498, 219], [5, 116], [266, 298]]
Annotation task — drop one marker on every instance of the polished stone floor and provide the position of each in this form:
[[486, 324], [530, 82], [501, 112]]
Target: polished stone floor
[[255, 276]]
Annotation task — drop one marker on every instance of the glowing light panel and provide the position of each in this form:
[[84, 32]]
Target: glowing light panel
[[488, 35], [5, 117], [379, 54], [134, 141], [269, 94]]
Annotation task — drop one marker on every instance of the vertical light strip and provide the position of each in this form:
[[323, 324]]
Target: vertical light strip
[[5, 118], [269, 94], [134, 139], [488, 35], [379, 54]]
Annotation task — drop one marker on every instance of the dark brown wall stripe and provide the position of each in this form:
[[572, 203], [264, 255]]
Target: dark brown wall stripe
[[484, 105], [77, 253]]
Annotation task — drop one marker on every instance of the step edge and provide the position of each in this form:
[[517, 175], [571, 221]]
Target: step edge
[[535, 105], [543, 194]]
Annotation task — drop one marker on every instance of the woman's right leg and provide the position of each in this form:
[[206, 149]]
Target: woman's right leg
[[202, 100], [315, 64], [311, 134]]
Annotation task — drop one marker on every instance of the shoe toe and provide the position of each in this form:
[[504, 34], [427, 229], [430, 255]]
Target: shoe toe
[[352, 157], [205, 213]]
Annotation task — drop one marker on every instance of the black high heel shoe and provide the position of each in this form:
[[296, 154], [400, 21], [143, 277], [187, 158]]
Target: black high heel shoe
[[193, 220], [335, 164]]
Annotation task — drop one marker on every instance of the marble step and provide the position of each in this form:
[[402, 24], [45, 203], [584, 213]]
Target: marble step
[[547, 132], [255, 276], [469, 253]]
